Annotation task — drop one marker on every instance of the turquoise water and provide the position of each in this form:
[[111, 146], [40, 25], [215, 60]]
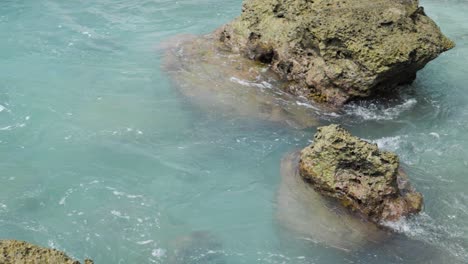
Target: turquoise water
[[101, 157]]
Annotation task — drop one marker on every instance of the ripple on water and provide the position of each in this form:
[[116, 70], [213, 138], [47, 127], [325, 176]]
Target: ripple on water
[[424, 228]]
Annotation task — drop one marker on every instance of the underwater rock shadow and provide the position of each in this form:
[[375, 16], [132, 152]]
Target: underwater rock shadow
[[221, 83]]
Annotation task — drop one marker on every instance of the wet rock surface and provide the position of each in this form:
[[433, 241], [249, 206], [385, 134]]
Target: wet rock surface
[[359, 175], [20, 252], [335, 51]]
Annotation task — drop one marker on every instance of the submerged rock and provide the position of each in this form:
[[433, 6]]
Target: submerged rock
[[198, 247], [319, 219], [19, 252], [221, 82], [334, 51], [362, 177]]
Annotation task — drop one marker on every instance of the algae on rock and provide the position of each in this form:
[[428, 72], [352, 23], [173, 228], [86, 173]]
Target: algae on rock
[[364, 178], [334, 51]]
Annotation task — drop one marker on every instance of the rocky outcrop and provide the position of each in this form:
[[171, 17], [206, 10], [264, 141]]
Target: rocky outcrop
[[362, 177], [334, 51], [19, 252]]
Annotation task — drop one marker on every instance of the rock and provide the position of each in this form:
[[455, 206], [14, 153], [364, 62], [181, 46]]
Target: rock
[[335, 51], [19, 252], [310, 216], [221, 82], [362, 177]]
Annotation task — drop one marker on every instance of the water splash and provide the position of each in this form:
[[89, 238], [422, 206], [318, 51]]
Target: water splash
[[377, 111]]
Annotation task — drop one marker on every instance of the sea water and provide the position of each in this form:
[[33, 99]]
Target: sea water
[[102, 158]]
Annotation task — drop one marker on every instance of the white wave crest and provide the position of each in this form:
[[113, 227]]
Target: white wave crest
[[423, 227], [403, 226], [262, 84], [378, 112], [388, 143]]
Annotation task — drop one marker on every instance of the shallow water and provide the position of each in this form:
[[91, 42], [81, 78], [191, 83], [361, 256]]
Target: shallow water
[[101, 157]]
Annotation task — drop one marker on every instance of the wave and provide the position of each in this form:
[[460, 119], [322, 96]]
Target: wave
[[262, 84], [377, 111], [423, 227], [388, 143]]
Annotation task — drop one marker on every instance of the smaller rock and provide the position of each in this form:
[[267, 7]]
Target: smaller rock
[[19, 252], [365, 179]]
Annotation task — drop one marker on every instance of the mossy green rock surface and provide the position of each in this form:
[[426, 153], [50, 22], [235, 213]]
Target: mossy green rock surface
[[19, 252], [333, 51], [364, 178]]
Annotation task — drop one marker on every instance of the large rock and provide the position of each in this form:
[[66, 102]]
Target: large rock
[[19, 252], [364, 178], [334, 51]]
